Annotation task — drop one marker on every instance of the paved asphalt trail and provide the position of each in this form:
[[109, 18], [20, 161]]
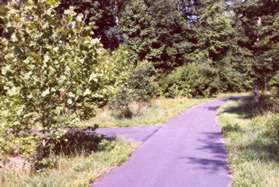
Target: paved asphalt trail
[[187, 151]]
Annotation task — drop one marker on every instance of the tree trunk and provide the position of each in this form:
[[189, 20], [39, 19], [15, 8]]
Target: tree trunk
[[256, 91]]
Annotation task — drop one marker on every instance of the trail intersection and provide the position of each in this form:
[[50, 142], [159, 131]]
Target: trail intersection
[[187, 151]]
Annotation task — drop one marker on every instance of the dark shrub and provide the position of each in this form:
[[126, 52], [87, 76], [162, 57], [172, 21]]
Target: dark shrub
[[74, 140], [138, 88], [190, 80]]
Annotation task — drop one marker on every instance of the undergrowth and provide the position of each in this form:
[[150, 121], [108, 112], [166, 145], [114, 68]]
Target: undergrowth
[[80, 169]]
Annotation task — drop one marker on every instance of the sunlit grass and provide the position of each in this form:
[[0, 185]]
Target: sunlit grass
[[161, 110], [76, 171], [232, 94], [252, 147]]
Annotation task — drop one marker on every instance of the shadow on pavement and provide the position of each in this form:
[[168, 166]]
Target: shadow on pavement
[[213, 154]]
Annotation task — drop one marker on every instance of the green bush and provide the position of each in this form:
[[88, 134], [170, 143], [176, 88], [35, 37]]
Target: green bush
[[120, 103], [75, 140], [114, 70], [48, 73], [140, 82], [190, 80], [138, 88]]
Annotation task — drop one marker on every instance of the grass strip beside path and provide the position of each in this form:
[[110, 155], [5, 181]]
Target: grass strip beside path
[[79, 170], [252, 143]]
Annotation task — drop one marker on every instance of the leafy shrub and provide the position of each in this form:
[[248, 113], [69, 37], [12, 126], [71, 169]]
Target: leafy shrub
[[138, 88], [120, 103], [75, 140], [48, 72], [113, 70], [140, 82], [190, 80]]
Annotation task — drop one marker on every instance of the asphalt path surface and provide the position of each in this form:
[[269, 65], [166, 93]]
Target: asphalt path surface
[[187, 151]]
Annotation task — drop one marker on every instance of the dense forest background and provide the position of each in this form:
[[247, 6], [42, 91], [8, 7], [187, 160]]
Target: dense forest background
[[231, 45], [200, 47], [60, 60]]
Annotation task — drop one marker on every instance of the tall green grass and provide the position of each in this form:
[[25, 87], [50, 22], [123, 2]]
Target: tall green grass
[[252, 140], [75, 171]]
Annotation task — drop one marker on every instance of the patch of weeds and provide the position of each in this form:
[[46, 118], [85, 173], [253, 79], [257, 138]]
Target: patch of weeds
[[74, 140], [231, 128], [79, 169]]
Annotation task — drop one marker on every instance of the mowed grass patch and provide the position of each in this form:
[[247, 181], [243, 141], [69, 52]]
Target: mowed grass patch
[[161, 110], [252, 141], [75, 171]]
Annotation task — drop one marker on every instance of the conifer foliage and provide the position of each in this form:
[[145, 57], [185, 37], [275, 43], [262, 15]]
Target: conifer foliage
[[156, 31], [216, 44], [258, 36]]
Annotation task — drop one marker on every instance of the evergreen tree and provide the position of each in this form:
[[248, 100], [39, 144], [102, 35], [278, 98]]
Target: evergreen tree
[[156, 31], [136, 28], [216, 47], [257, 24]]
